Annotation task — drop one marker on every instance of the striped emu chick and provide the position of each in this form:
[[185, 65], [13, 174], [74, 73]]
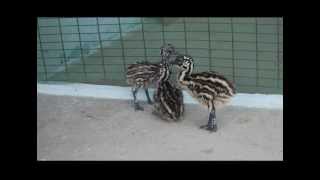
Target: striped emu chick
[[143, 74], [209, 88], [168, 99]]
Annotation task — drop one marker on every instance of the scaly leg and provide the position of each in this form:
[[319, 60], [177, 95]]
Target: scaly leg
[[147, 94], [212, 123], [135, 101]]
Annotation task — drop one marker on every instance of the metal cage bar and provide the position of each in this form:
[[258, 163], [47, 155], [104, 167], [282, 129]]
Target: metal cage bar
[[64, 53], [246, 50], [122, 46], [101, 49], [233, 61], [42, 57], [81, 51], [257, 67]]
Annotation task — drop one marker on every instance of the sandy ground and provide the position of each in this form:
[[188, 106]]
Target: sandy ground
[[78, 128]]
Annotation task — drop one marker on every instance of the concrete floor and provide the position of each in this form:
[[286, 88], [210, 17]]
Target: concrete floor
[[79, 128]]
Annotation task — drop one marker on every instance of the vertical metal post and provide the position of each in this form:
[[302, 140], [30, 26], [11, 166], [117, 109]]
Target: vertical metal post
[[42, 57], [63, 49], [185, 35], [101, 50], [210, 59], [233, 60], [278, 51], [143, 38], [81, 51], [257, 54], [162, 24], [122, 46]]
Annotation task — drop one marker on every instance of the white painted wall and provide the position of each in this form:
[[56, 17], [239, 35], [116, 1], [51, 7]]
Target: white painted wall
[[117, 92]]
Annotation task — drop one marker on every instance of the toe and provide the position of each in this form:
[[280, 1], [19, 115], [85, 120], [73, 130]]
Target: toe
[[203, 126], [138, 108], [213, 129]]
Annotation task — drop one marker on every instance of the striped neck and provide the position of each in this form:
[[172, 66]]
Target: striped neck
[[184, 75], [164, 73]]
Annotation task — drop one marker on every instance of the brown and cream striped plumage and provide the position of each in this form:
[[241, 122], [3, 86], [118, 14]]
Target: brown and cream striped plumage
[[168, 98], [209, 88], [143, 74]]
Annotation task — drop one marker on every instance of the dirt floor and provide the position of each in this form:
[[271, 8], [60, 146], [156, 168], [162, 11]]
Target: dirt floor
[[78, 128]]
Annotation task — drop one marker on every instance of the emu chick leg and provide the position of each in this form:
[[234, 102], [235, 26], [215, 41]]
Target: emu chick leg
[[147, 94], [212, 123], [135, 101]]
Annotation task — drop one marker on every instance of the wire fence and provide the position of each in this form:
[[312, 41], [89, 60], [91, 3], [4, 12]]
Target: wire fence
[[98, 50]]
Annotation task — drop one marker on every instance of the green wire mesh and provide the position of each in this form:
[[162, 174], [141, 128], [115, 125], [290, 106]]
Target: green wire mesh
[[248, 51]]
